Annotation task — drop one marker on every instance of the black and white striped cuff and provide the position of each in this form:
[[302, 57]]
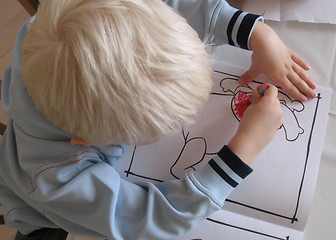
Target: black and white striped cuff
[[222, 174], [240, 28], [230, 167]]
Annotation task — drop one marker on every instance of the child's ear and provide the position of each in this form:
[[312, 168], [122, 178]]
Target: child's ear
[[78, 140]]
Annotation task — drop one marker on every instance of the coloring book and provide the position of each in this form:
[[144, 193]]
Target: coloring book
[[271, 203]]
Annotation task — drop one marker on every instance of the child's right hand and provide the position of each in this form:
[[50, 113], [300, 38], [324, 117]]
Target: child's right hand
[[258, 126]]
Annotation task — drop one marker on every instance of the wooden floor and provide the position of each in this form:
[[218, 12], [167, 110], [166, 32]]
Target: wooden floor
[[12, 17]]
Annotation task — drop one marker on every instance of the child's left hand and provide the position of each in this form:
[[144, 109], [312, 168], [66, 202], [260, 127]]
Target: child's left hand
[[272, 57]]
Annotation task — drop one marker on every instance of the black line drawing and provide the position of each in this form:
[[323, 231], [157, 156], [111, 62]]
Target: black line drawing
[[292, 106], [292, 219], [178, 164], [307, 156], [291, 127], [248, 230]]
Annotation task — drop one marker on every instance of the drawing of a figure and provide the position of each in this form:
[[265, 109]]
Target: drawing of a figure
[[291, 126], [190, 143], [230, 88], [241, 94]]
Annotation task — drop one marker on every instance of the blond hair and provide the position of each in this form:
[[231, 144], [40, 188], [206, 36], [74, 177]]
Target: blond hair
[[115, 71]]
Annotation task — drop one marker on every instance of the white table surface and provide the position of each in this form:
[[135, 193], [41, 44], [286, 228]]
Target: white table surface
[[316, 43]]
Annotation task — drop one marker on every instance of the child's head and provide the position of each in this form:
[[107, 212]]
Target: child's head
[[115, 71]]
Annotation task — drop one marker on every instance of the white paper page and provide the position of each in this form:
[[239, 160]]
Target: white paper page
[[318, 11], [231, 226], [281, 188]]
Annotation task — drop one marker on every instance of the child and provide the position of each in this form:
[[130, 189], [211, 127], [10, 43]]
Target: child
[[88, 76]]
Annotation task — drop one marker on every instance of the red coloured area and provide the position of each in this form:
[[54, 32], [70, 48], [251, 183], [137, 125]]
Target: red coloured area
[[241, 102]]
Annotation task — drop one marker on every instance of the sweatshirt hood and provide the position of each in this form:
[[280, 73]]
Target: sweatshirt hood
[[17, 103]]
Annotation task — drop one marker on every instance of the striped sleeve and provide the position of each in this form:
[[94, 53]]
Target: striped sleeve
[[240, 28], [221, 175], [235, 27], [217, 20]]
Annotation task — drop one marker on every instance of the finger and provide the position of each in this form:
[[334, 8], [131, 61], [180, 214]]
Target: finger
[[304, 76], [301, 85], [271, 97], [299, 60], [248, 76], [271, 91], [290, 87]]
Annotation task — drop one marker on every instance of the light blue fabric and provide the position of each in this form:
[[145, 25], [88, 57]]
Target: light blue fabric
[[211, 18], [47, 182], [203, 17]]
